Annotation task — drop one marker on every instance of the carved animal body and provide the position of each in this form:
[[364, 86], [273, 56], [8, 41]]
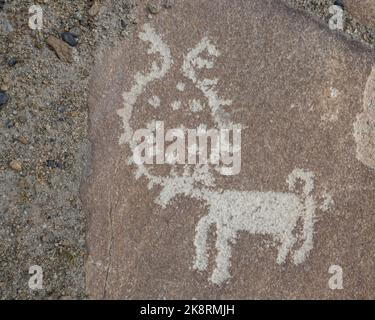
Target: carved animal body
[[265, 213]]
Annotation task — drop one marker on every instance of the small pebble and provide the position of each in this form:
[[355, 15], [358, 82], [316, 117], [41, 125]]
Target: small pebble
[[62, 49], [54, 164], [339, 3], [22, 118], [124, 24], [50, 163], [23, 140], [59, 165], [153, 8], [9, 124], [3, 98], [78, 16], [16, 165], [12, 62], [95, 8], [61, 109], [84, 22], [69, 38], [76, 32], [4, 87]]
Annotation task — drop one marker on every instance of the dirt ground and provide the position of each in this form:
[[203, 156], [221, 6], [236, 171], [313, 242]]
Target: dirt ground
[[44, 150]]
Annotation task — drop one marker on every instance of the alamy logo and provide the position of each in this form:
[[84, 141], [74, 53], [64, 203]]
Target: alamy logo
[[36, 280], [203, 147], [336, 22], [275, 214], [36, 18]]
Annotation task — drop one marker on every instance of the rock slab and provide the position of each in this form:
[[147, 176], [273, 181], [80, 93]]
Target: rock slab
[[300, 210]]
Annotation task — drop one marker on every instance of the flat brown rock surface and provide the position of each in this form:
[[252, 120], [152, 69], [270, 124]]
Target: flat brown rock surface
[[303, 200]]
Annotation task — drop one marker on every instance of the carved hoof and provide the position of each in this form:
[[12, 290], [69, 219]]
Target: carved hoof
[[218, 277], [299, 257]]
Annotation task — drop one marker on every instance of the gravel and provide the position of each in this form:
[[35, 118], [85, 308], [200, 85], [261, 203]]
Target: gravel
[[43, 142], [320, 9]]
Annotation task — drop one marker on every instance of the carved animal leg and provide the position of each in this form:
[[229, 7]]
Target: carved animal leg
[[221, 272], [308, 232], [287, 244], [200, 243]]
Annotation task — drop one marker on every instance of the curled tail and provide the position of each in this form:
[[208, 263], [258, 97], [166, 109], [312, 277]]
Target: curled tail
[[200, 242], [308, 225]]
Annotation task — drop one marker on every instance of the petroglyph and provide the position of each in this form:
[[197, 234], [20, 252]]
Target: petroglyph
[[154, 101], [176, 105], [296, 94], [206, 86], [328, 203], [195, 105], [265, 213], [141, 80], [364, 127], [275, 214], [180, 86]]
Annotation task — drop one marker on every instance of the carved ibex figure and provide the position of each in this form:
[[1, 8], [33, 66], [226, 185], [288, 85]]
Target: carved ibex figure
[[265, 213]]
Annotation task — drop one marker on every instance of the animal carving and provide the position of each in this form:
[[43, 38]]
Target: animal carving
[[265, 213], [274, 214]]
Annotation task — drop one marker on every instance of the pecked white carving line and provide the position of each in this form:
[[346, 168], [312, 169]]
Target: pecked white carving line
[[142, 80]]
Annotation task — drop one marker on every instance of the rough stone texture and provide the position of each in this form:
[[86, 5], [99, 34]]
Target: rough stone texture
[[352, 26], [365, 125], [363, 10], [44, 127], [297, 88]]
